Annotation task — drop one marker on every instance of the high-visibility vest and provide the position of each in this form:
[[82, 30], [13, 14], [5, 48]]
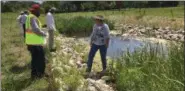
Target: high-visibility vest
[[31, 37]]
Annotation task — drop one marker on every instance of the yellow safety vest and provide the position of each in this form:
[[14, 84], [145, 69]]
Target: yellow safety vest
[[31, 37]]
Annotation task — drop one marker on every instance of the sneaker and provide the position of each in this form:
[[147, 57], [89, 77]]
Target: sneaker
[[102, 73], [86, 75]]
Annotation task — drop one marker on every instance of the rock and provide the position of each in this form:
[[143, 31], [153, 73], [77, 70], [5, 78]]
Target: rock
[[71, 62], [142, 30], [118, 34], [174, 36], [99, 85], [160, 29], [180, 31], [90, 81], [148, 28], [157, 32], [100, 81], [106, 78], [91, 88], [125, 35], [102, 86], [139, 34], [155, 28], [129, 27], [53, 53], [165, 32], [92, 75], [66, 87], [170, 36], [79, 64], [84, 65], [173, 32], [141, 27], [136, 28], [165, 36], [180, 37], [158, 36], [131, 31], [168, 28]]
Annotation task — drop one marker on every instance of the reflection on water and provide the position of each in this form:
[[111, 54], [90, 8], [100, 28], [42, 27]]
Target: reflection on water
[[118, 46]]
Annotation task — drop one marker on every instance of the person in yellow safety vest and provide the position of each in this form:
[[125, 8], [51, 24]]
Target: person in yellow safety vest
[[35, 41]]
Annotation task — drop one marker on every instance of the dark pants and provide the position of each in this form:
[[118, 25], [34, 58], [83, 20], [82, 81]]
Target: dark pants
[[93, 50], [24, 29], [37, 60]]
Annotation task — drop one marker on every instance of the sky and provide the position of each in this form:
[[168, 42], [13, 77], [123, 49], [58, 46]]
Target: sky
[[38, 1]]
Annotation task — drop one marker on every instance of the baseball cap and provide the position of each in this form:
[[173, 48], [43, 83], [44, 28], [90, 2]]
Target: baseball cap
[[34, 7]]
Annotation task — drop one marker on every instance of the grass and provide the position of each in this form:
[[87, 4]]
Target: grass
[[148, 71]]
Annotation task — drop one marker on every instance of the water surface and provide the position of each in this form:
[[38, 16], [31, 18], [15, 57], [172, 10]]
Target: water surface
[[119, 45]]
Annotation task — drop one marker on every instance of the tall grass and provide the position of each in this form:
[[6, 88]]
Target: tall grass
[[146, 70], [152, 17], [77, 24]]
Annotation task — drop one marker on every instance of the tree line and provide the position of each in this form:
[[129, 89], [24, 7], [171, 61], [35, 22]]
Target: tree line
[[75, 6]]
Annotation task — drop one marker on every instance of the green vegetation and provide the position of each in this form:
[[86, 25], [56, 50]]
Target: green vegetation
[[145, 71], [78, 24], [151, 71], [152, 17]]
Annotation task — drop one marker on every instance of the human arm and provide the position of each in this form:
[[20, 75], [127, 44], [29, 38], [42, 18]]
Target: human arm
[[35, 27], [92, 34], [107, 35], [19, 19]]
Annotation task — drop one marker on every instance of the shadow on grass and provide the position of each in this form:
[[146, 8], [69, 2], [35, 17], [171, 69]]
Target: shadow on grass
[[17, 69]]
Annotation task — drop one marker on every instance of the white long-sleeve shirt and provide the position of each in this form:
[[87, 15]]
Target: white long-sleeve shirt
[[50, 21], [22, 19], [19, 19]]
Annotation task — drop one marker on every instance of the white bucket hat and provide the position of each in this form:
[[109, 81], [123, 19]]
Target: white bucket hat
[[98, 17], [52, 9]]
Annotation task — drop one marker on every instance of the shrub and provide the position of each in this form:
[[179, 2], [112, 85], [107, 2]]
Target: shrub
[[78, 24]]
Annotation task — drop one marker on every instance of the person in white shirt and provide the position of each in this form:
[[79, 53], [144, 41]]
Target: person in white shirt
[[24, 16], [51, 27], [19, 20]]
